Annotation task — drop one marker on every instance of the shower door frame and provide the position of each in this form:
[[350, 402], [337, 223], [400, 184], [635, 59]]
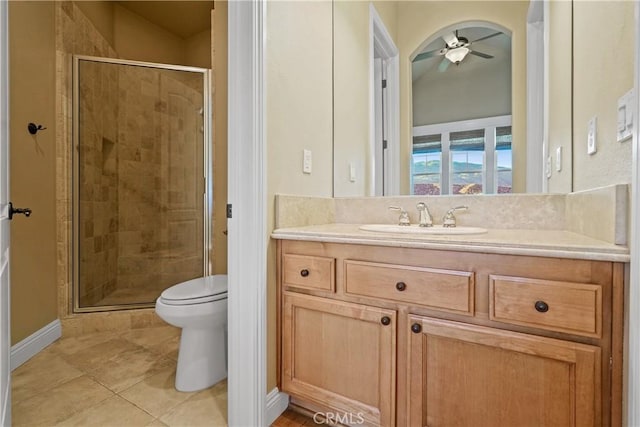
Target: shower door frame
[[208, 208]]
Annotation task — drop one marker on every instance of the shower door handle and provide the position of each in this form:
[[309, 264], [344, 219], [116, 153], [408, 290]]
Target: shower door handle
[[24, 211]]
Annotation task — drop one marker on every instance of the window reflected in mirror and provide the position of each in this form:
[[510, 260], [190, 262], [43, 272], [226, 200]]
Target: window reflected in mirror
[[469, 157]]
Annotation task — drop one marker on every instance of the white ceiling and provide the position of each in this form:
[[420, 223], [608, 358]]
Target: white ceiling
[[182, 18], [498, 46]]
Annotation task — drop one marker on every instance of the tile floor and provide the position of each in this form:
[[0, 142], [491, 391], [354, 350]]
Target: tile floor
[[112, 379]]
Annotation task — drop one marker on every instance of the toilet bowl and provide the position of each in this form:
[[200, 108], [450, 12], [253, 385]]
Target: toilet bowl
[[199, 307]]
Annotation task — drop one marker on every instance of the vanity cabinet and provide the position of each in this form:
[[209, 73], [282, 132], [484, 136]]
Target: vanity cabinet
[[467, 375], [340, 355], [423, 337]]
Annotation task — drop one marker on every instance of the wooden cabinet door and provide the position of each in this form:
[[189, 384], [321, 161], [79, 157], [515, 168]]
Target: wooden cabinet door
[[466, 375], [340, 355]]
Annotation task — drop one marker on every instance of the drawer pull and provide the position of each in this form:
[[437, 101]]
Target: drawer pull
[[401, 286], [385, 320], [542, 306], [304, 273], [416, 328]]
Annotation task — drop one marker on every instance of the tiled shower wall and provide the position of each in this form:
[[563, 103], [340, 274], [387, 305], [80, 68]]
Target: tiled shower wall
[[75, 34], [98, 195], [140, 200], [160, 197]]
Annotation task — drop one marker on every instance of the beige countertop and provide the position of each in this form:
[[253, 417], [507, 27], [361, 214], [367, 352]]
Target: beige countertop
[[543, 243]]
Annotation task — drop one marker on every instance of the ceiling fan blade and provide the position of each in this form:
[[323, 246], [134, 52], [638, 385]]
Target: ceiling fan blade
[[450, 39], [444, 65], [425, 55], [487, 37], [480, 54]]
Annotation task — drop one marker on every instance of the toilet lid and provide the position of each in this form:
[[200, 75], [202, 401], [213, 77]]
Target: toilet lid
[[197, 291]]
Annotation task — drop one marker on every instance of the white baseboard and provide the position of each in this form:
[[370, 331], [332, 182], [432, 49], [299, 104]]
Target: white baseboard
[[35, 343], [277, 403]]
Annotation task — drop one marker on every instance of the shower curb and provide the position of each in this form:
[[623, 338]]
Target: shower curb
[[35, 343]]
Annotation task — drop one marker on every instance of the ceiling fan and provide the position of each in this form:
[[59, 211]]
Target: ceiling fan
[[455, 50]]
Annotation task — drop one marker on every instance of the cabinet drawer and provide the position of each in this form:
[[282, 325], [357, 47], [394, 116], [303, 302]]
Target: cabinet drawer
[[310, 272], [574, 308], [446, 290]]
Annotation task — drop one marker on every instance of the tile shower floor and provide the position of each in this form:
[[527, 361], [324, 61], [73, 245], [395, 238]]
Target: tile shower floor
[[112, 379]]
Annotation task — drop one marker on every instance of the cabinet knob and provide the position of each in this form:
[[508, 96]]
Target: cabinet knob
[[386, 320], [401, 286], [416, 328], [304, 273], [541, 306]]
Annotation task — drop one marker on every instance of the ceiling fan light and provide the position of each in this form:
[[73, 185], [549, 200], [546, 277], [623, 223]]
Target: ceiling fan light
[[456, 55]]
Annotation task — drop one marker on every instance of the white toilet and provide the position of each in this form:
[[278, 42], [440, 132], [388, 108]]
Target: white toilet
[[199, 307]]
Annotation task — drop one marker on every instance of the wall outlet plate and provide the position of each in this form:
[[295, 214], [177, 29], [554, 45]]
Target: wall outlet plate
[[559, 159], [592, 135]]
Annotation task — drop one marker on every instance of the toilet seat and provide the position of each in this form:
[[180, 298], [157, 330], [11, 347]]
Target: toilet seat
[[196, 291]]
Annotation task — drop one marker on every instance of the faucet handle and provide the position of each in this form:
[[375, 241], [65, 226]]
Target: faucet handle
[[449, 220], [404, 215]]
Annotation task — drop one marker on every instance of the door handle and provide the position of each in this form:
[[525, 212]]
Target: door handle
[[24, 211]]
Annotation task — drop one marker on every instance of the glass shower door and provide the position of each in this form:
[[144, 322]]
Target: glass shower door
[[140, 202]]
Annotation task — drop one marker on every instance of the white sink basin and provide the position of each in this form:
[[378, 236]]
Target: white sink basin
[[415, 229]]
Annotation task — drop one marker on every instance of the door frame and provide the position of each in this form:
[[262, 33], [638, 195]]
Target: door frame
[[381, 41], [5, 300], [632, 325], [247, 225], [537, 99]]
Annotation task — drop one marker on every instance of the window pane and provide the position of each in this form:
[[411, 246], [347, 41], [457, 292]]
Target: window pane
[[504, 161], [504, 171], [467, 169], [466, 183], [427, 169]]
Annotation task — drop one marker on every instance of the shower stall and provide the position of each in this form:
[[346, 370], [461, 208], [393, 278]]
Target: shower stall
[[142, 180]]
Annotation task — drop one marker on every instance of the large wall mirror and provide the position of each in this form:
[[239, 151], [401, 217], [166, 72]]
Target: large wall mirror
[[511, 116]]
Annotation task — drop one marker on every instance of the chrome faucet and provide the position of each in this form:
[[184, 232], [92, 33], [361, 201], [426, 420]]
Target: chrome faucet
[[404, 215], [449, 220], [424, 216]]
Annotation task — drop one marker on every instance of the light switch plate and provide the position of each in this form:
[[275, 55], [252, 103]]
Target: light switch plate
[[559, 159], [624, 128], [592, 135], [352, 172], [306, 161]]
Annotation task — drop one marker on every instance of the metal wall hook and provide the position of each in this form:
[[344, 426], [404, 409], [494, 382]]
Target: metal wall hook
[[34, 128]]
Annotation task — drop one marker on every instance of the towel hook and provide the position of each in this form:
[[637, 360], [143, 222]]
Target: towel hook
[[34, 128]]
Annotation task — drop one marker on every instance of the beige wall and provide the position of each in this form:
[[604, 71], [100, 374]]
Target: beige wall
[[559, 92], [219, 35], [463, 93], [603, 71], [198, 49], [298, 72], [136, 38], [421, 20], [101, 14], [351, 92], [32, 166]]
